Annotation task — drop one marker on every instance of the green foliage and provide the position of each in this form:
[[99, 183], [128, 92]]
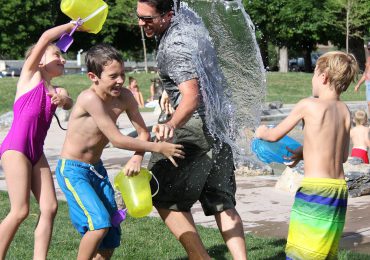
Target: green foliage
[[21, 24], [359, 19]]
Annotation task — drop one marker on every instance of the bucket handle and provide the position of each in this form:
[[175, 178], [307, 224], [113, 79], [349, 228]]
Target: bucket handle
[[101, 8], [156, 192]]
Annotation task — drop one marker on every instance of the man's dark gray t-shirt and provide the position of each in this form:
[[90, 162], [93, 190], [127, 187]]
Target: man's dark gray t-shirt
[[178, 54]]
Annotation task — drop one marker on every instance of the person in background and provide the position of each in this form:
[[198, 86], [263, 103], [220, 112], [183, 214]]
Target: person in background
[[366, 78], [360, 136], [135, 90]]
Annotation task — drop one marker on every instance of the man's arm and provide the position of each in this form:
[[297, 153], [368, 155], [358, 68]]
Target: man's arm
[[189, 103]]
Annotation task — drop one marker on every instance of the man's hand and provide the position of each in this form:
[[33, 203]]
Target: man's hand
[[163, 132], [165, 104]]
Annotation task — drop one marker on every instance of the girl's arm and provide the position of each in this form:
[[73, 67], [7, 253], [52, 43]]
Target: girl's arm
[[32, 62], [66, 101]]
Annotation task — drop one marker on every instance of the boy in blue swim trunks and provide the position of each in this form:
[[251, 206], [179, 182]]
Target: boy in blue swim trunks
[[80, 172]]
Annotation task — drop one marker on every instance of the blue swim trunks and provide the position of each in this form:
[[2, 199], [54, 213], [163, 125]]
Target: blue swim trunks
[[90, 198]]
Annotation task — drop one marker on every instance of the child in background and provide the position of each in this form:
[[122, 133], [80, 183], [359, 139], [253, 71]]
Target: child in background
[[80, 171], [25, 166], [360, 136], [319, 210], [135, 90]]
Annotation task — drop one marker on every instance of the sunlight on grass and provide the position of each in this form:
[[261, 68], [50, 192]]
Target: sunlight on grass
[[144, 238]]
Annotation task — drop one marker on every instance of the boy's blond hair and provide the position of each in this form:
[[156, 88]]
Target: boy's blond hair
[[341, 69], [360, 117]]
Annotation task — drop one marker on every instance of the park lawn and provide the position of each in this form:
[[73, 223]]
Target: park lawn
[[285, 87], [144, 238]]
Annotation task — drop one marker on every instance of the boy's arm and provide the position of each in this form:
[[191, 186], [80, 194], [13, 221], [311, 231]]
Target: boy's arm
[[133, 166], [276, 133], [94, 106]]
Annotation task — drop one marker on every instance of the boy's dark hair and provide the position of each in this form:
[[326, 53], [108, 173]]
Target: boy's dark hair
[[162, 6], [99, 56]]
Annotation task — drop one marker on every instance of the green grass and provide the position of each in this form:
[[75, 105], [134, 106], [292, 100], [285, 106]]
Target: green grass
[[145, 238], [286, 87], [293, 86]]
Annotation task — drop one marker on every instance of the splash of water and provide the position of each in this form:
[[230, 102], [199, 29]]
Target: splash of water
[[234, 89]]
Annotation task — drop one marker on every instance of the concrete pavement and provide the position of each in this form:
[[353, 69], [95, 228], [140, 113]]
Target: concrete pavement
[[264, 210]]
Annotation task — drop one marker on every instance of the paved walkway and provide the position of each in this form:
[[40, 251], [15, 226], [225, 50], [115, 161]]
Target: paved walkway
[[264, 210]]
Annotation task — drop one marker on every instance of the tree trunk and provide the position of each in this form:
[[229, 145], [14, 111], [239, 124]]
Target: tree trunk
[[307, 60], [144, 48], [283, 59], [356, 47], [263, 44]]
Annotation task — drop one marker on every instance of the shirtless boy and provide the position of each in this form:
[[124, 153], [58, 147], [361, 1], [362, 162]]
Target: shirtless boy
[[318, 214], [80, 172], [360, 136]]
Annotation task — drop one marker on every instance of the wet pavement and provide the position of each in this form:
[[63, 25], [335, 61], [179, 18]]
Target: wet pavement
[[264, 209]]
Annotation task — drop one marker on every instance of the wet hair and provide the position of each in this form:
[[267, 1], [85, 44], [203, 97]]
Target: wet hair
[[162, 6], [30, 49], [99, 56], [360, 117], [341, 69]]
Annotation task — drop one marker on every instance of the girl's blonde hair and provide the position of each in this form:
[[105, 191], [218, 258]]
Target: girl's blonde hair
[[30, 49], [360, 117], [341, 69]]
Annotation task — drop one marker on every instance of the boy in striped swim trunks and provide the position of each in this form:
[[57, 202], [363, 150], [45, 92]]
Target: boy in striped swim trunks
[[318, 214]]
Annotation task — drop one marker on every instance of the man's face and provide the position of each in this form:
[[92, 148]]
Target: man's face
[[153, 23]]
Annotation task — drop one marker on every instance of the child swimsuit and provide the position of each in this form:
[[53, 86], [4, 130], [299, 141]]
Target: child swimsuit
[[360, 153], [33, 113]]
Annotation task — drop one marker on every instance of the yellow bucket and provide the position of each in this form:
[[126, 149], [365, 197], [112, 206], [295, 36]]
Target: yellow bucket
[[136, 192], [93, 13]]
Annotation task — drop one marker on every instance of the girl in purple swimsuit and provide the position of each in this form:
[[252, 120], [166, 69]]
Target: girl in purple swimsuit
[[25, 166]]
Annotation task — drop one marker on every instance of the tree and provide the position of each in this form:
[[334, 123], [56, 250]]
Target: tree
[[20, 27], [349, 21], [296, 25]]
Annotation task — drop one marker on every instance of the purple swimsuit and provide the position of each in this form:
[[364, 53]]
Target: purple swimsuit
[[33, 112]]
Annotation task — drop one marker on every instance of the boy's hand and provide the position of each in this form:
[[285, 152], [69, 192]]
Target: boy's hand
[[356, 88], [133, 166], [57, 99], [260, 131], [297, 155], [172, 150]]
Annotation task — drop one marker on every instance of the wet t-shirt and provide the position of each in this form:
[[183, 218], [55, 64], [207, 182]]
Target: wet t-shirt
[[178, 54]]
